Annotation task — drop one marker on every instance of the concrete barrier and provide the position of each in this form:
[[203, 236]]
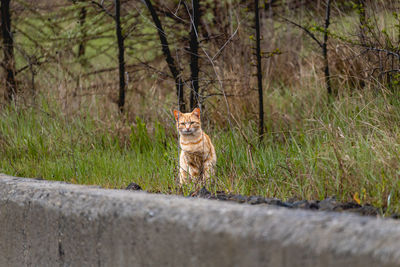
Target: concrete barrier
[[56, 224]]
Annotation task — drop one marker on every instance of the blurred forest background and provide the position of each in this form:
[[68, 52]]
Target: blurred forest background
[[300, 97]]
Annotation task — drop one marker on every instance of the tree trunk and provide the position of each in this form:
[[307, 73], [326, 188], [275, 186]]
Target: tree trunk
[[8, 49], [259, 71], [121, 60], [167, 53], [194, 57], [82, 44], [325, 48]]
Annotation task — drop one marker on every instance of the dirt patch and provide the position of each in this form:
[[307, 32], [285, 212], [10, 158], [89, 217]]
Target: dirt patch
[[327, 204]]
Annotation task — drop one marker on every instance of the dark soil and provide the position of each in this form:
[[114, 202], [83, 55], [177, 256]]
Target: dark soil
[[327, 204], [133, 186]]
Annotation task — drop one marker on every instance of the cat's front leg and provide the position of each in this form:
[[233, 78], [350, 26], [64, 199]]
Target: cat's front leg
[[208, 170], [183, 170], [183, 179]]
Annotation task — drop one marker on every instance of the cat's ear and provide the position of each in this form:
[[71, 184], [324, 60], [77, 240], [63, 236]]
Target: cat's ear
[[177, 114], [196, 112]]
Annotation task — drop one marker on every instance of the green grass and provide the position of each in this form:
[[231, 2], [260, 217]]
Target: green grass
[[348, 147], [35, 143], [312, 149]]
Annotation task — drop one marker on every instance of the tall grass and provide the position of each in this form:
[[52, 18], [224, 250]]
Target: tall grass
[[313, 148], [346, 148]]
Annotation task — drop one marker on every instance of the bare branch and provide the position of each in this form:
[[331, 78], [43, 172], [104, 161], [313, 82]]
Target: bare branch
[[380, 50], [102, 8], [304, 29]]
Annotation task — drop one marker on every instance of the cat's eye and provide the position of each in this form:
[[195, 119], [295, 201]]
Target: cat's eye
[[182, 123]]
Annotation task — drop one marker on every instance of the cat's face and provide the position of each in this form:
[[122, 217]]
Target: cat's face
[[188, 123]]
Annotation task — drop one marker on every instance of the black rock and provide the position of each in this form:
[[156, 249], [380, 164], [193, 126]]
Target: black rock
[[302, 204], [273, 201], [313, 205], [133, 186], [350, 205], [287, 205], [328, 204], [395, 216], [237, 198], [366, 210], [293, 200], [221, 196], [254, 200], [204, 193], [278, 202]]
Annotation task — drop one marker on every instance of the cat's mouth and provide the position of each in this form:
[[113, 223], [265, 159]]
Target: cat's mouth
[[187, 132]]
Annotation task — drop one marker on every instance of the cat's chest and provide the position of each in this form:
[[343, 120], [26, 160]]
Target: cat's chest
[[194, 159], [194, 154], [195, 145]]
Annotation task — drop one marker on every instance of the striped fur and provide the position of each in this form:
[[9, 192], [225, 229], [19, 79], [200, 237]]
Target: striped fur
[[197, 158]]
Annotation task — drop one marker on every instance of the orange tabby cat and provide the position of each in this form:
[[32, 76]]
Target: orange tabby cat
[[198, 158]]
